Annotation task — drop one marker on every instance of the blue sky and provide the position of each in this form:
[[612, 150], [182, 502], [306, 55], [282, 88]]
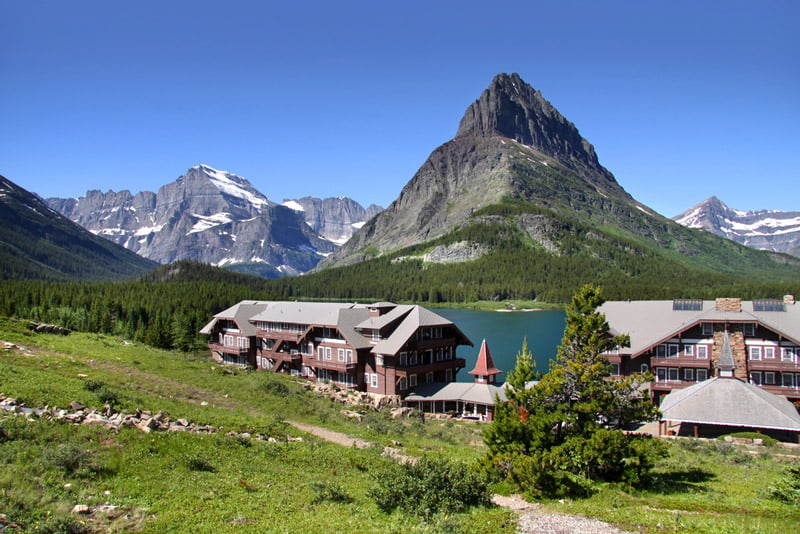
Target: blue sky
[[681, 99]]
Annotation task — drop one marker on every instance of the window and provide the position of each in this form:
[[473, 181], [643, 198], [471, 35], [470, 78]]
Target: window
[[615, 369], [708, 329], [374, 380], [672, 374], [413, 358], [378, 360], [755, 353], [320, 353], [403, 359], [243, 342], [428, 378], [769, 378], [701, 374], [403, 384], [688, 374], [448, 375], [412, 380], [769, 353], [787, 354], [688, 350], [749, 329], [340, 355], [755, 377], [644, 368], [661, 351], [789, 380], [328, 353], [661, 374], [702, 352]]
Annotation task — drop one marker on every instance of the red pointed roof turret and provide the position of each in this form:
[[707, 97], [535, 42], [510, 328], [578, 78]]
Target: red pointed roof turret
[[484, 367]]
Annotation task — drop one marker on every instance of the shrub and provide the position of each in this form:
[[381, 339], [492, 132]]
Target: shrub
[[428, 486], [72, 459], [787, 489], [93, 385], [108, 396], [324, 491], [198, 463]]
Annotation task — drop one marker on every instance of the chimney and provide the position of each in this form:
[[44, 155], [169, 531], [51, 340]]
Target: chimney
[[788, 299], [729, 304]]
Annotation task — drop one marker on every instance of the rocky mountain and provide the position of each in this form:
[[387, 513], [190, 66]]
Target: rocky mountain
[[777, 231], [335, 219], [40, 243], [519, 190], [205, 215]]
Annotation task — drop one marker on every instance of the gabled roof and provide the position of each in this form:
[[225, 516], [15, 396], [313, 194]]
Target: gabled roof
[[458, 391], [348, 319], [240, 313], [319, 313], [731, 402], [651, 322], [485, 365], [416, 318]]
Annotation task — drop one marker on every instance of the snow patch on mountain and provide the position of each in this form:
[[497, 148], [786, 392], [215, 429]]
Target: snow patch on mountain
[[205, 222], [233, 185], [293, 205]]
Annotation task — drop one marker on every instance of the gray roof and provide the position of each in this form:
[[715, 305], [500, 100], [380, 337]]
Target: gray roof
[[320, 313], [240, 313], [416, 317], [726, 361], [650, 322], [458, 391], [731, 402]]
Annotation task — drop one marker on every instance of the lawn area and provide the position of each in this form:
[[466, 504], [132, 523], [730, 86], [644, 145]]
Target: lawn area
[[182, 482]]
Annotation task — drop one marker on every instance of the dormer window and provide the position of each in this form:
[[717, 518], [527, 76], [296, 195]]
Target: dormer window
[[708, 329], [749, 329]]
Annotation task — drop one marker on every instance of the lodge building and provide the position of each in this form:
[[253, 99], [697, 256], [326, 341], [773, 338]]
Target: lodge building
[[382, 348], [681, 341]]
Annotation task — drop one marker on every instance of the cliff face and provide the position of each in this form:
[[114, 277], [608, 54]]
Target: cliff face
[[776, 231], [206, 215], [511, 144], [335, 219]]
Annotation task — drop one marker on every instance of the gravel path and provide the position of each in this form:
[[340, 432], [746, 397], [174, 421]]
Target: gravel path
[[532, 520]]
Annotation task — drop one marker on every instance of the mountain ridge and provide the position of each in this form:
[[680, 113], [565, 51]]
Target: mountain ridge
[[773, 230], [206, 215]]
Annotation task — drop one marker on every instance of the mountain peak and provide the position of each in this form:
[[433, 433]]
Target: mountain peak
[[231, 184], [511, 108]]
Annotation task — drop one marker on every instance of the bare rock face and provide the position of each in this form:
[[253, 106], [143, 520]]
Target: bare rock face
[[335, 219], [205, 215], [511, 145], [776, 231]]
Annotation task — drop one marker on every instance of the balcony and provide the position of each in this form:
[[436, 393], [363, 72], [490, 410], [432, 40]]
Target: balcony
[[424, 344], [791, 393], [773, 365], [680, 361], [227, 349], [333, 365], [458, 363]]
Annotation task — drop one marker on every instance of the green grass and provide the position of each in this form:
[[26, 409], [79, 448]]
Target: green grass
[[197, 483], [213, 483]]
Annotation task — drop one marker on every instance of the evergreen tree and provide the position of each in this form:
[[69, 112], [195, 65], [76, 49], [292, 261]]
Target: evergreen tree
[[556, 437]]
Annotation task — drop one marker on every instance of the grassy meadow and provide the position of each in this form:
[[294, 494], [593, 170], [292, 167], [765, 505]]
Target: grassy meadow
[[182, 482]]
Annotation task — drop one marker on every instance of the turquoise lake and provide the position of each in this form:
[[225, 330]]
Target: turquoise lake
[[504, 332]]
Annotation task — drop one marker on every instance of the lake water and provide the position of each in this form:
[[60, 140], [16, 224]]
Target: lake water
[[504, 332]]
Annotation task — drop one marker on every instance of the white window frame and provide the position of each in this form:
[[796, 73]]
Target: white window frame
[[702, 352], [755, 378], [320, 353], [412, 381], [788, 380], [349, 355], [403, 384], [701, 375], [769, 353], [787, 354], [340, 355], [379, 360], [644, 368], [673, 374], [769, 378], [688, 374], [374, 380], [754, 353], [403, 358], [688, 350]]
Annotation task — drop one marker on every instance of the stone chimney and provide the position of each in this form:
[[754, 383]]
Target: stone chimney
[[729, 304]]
